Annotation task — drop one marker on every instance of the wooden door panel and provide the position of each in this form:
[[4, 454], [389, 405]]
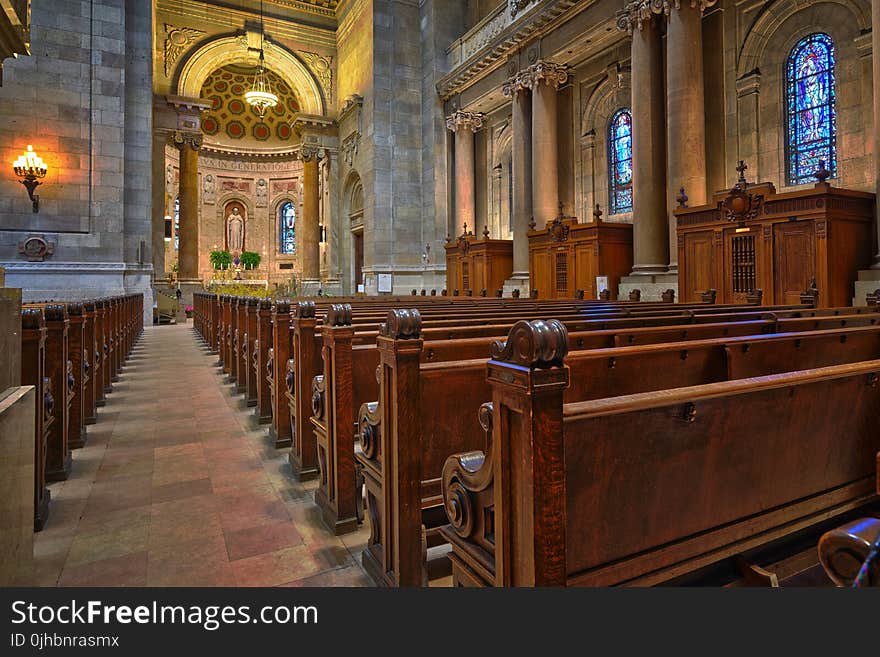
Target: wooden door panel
[[794, 259], [700, 274]]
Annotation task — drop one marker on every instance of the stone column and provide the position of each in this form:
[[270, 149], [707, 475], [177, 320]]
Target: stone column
[[188, 251], [545, 78], [685, 110], [650, 232], [464, 125], [159, 204], [875, 56], [311, 204], [521, 163]]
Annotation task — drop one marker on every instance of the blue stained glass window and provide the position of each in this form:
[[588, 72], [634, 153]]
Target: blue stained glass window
[[811, 124], [287, 228], [620, 154], [176, 223]]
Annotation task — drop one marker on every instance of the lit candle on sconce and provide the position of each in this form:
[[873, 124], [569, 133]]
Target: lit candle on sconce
[[30, 167]]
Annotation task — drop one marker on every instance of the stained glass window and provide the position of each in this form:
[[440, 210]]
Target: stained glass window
[[287, 228], [176, 223], [811, 122], [620, 155]]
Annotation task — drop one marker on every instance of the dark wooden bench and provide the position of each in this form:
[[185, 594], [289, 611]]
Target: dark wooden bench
[[642, 488]]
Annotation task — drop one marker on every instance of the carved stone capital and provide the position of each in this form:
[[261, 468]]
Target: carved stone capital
[[542, 71], [307, 153], [182, 139], [461, 120], [638, 14]]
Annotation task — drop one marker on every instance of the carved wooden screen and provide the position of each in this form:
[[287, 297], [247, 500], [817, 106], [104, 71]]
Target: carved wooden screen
[[465, 275], [744, 272], [562, 272]]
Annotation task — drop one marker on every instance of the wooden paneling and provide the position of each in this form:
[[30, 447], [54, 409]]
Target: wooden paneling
[[473, 264], [822, 232], [794, 261], [585, 250]]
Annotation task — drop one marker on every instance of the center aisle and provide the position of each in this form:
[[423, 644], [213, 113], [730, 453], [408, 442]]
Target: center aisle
[[178, 486]]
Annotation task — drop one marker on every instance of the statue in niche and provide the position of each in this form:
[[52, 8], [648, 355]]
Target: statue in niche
[[262, 193], [235, 231], [208, 190]]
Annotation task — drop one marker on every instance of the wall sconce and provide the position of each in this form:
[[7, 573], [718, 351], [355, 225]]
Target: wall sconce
[[168, 228], [30, 167]]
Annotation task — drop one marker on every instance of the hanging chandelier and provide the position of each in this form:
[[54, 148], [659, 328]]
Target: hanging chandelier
[[261, 97]]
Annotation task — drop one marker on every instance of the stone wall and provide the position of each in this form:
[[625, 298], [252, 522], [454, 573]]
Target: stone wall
[[76, 99]]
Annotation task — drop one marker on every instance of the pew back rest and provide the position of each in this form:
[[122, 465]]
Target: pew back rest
[[703, 468]]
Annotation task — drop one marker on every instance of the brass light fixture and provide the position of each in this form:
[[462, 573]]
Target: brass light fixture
[[30, 168], [261, 97]]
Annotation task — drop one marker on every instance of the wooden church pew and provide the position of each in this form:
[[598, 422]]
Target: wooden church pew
[[33, 352], [639, 489], [445, 420]]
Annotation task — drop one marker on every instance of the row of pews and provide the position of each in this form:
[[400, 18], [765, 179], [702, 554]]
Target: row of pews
[[72, 353], [571, 451]]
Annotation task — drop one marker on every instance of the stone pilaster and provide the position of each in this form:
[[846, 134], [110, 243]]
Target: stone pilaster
[[464, 125], [521, 163], [685, 110], [189, 144]]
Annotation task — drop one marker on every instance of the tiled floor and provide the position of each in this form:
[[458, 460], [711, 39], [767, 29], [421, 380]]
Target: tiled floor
[[177, 486]]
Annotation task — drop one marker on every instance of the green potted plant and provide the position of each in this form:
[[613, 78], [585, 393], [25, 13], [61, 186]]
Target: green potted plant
[[220, 259], [250, 259]]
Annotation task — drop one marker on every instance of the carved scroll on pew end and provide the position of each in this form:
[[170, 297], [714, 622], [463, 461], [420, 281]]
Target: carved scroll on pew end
[[282, 306], [755, 297], [668, 296], [844, 551], [709, 296], [810, 296], [635, 295], [32, 318], [339, 314], [605, 295], [402, 325], [536, 343]]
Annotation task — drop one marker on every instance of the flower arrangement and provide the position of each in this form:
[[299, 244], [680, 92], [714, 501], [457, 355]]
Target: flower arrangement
[[220, 259], [250, 259]]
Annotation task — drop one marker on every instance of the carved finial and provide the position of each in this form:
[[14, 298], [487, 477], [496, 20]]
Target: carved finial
[[741, 168], [465, 230], [536, 344], [682, 198], [56, 312], [304, 310], [532, 224], [414, 292], [448, 238], [483, 292], [668, 296], [32, 318], [597, 214], [338, 314], [486, 232], [402, 325], [822, 174], [709, 296]]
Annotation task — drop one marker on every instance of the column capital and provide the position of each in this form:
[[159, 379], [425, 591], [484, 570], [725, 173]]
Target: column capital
[[542, 71], [183, 139], [308, 152], [462, 120], [638, 14]]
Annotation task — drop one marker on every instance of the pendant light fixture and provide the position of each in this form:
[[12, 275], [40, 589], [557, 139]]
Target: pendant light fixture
[[261, 97]]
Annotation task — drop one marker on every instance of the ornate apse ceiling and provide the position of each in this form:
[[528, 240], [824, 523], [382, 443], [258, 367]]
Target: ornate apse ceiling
[[231, 121]]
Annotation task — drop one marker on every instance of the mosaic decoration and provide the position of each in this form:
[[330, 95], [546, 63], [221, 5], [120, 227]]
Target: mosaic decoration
[[287, 228], [230, 117], [620, 162], [811, 123]]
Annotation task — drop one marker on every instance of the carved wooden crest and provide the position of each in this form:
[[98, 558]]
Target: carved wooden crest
[[36, 248], [557, 229], [463, 244], [740, 205]]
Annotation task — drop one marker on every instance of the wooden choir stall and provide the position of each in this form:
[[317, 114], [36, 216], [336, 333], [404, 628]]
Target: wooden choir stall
[[478, 264], [567, 256], [753, 238]]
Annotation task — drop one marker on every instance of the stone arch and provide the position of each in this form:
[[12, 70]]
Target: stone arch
[[354, 210], [607, 98], [766, 26], [227, 50]]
